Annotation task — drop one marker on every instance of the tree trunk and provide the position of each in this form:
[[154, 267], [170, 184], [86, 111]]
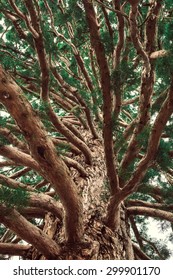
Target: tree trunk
[[101, 243]]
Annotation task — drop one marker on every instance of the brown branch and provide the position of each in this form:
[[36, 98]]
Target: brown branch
[[151, 26], [159, 54], [73, 129], [13, 139], [20, 173], [153, 143], [16, 9], [108, 24], [78, 98], [130, 101], [136, 232], [118, 12], [135, 37], [76, 53], [119, 47], [40, 48], [44, 153], [106, 90], [45, 202], [69, 135], [139, 253], [161, 206], [147, 83], [13, 249], [151, 212], [33, 212], [11, 182], [40, 184], [64, 143], [72, 163], [19, 157], [7, 163], [35, 199], [28, 232], [22, 34], [154, 247]]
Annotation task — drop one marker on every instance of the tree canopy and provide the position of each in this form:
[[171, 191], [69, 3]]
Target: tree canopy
[[86, 103]]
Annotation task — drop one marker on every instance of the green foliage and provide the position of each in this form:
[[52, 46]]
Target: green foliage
[[164, 68], [164, 252], [163, 156], [13, 197], [31, 178], [143, 137], [150, 174], [20, 57], [63, 149], [2, 230], [107, 42], [3, 120], [3, 140]]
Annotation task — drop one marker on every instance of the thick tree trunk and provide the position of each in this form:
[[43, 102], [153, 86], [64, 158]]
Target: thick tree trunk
[[101, 243]]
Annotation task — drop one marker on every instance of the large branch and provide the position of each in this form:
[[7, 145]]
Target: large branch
[[28, 232], [13, 249], [44, 153], [13, 139], [161, 206], [153, 143], [19, 157], [151, 212], [147, 82], [106, 91], [34, 199], [40, 48]]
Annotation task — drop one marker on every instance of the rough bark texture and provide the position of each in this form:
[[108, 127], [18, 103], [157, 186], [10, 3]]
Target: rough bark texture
[[84, 116], [101, 243]]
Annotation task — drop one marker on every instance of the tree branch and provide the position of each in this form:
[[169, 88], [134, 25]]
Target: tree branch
[[28, 232], [44, 153], [106, 91], [151, 212], [14, 249], [140, 253]]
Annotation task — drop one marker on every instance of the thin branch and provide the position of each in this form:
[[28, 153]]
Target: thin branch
[[161, 206], [113, 10], [140, 254], [119, 47], [136, 232], [154, 247], [72, 163], [135, 38]]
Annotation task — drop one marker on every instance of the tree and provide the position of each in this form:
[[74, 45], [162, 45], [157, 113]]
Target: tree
[[86, 98]]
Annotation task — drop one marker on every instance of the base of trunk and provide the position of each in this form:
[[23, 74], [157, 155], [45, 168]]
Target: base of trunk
[[100, 242]]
